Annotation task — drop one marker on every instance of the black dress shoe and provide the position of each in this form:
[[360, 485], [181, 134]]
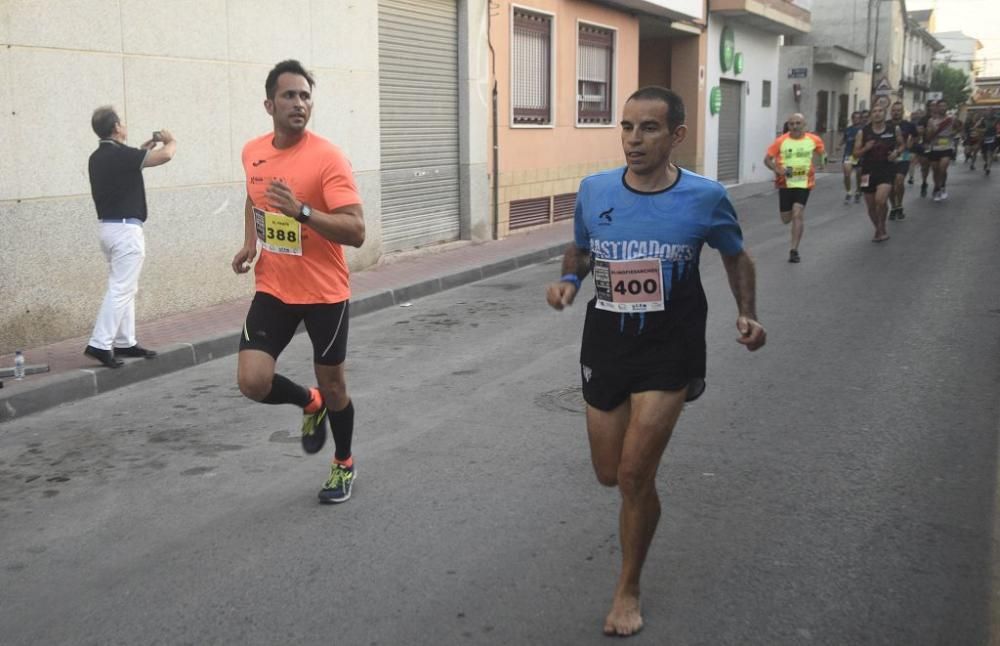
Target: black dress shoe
[[106, 357], [135, 351]]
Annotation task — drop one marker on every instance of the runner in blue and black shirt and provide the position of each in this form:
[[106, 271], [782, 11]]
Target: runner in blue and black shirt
[[642, 229], [909, 133]]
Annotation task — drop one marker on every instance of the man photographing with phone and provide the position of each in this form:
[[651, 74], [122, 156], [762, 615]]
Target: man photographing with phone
[[119, 194]]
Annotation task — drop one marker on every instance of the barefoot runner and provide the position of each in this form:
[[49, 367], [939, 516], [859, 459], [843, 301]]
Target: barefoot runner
[[643, 350]]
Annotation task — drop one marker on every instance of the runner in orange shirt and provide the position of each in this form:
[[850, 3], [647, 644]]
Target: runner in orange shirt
[[302, 205], [791, 156]]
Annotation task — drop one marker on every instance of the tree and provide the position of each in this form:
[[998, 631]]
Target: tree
[[953, 84]]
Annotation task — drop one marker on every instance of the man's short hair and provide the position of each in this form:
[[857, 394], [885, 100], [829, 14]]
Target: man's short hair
[[290, 66], [675, 105], [104, 121]]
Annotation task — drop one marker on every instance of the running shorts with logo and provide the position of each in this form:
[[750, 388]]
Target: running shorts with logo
[[645, 327], [271, 324]]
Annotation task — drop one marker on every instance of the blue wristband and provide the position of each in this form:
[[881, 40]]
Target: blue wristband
[[572, 279]]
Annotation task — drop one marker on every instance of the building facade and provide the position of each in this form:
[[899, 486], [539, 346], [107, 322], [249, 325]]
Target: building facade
[[853, 55], [561, 70], [744, 38], [960, 52], [418, 143], [918, 65]]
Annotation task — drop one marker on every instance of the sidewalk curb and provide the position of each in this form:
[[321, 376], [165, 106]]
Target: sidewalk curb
[[87, 382], [79, 384]]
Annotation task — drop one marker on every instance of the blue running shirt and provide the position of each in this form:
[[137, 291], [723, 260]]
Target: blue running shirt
[[639, 319]]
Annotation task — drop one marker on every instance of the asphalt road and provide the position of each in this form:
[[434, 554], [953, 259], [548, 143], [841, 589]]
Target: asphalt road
[[836, 487]]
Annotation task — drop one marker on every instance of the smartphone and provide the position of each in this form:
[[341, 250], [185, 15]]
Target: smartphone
[[157, 136]]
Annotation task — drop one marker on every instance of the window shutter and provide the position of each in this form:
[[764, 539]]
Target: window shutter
[[531, 75], [596, 66]]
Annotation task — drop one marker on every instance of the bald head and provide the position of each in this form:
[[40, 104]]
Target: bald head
[[796, 125]]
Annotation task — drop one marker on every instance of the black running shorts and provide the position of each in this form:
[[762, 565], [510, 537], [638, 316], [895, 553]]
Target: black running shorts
[[874, 175], [938, 155], [271, 324], [606, 390], [789, 196]]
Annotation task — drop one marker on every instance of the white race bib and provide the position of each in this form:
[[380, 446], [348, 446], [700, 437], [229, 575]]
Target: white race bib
[[629, 285]]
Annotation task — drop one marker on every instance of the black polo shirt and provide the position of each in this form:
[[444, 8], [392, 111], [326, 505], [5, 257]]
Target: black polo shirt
[[116, 181]]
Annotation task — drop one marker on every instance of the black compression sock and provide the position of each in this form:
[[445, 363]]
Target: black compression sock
[[286, 391], [342, 427]]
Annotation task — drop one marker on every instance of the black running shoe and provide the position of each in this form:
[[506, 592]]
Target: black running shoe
[[314, 427], [923, 190], [901, 215], [892, 213], [338, 486], [793, 256]]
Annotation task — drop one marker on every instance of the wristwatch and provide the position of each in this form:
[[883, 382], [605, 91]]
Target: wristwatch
[[305, 212]]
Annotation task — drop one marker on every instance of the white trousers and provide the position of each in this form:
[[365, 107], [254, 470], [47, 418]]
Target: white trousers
[[125, 248]]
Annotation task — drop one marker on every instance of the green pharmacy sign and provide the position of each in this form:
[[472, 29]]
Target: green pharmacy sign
[[727, 52], [715, 100], [738, 63]]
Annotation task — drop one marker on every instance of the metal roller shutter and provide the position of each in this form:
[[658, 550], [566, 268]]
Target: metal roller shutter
[[729, 131], [418, 100]]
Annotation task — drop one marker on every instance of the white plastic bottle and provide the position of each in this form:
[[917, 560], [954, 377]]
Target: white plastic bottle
[[18, 365]]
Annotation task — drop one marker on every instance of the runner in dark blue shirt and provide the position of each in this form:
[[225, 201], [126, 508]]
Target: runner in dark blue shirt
[[909, 133], [851, 166]]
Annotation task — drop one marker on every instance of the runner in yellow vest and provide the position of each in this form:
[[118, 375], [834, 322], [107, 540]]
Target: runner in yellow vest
[[792, 157]]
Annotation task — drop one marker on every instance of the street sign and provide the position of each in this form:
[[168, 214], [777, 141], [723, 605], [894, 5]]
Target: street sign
[[882, 88], [798, 72], [935, 96]]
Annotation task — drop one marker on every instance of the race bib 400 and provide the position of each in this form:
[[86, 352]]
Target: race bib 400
[[629, 285]]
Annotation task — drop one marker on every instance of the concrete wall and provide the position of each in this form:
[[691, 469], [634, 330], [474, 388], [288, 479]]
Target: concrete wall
[[890, 39], [474, 97], [839, 22], [540, 161], [760, 53], [195, 67]]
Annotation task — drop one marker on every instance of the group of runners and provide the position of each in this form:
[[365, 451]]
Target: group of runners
[[882, 151], [640, 229]]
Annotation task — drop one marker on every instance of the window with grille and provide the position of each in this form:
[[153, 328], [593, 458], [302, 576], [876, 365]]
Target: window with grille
[[595, 70], [531, 76]]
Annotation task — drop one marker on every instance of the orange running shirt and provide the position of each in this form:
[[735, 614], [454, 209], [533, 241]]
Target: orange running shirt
[[796, 154], [320, 175]]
